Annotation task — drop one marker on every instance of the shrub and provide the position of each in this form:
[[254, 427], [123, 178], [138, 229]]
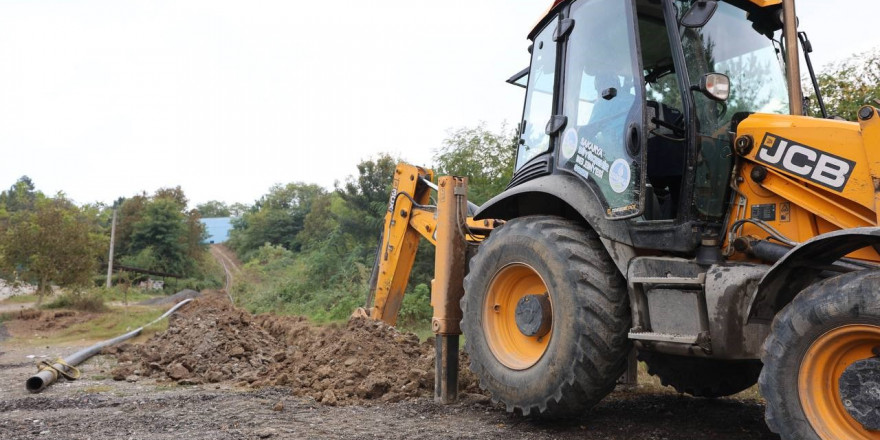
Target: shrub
[[416, 309], [85, 301]]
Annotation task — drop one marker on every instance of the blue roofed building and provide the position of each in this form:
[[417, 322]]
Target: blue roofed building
[[217, 229]]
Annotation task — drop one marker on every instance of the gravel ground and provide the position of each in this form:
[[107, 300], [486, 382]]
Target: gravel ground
[[97, 407]]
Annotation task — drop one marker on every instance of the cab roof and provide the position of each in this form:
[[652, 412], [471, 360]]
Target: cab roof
[[558, 3]]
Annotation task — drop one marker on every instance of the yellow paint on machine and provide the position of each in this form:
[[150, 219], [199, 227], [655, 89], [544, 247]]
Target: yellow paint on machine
[[765, 3], [446, 226], [812, 207], [399, 241]]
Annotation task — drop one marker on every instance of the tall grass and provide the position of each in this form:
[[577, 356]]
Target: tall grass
[[279, 281]]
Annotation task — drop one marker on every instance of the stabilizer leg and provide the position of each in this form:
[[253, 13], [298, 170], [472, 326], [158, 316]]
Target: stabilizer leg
[[446, 369], [447, 288]]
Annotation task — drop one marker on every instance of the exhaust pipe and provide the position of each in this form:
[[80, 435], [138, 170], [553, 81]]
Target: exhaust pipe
[[66, 367], [792, 59]]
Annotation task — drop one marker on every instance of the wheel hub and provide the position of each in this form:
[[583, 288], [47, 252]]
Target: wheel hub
[[860, 392], [836, 384], [515, 315], [533, 315]]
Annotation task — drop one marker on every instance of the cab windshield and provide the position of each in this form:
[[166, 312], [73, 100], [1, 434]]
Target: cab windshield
[[539, 98], [730, 45]]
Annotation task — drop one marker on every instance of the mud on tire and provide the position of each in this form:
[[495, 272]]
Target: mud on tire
[[587, 348]]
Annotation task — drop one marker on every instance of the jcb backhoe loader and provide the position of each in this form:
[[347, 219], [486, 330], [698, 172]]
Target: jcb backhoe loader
[[669, 195]]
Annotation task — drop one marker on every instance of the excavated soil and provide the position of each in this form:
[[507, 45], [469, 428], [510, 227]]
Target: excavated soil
[[35, 320], [211, 341]]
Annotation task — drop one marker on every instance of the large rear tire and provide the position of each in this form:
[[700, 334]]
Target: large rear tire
[[826, 329], [701, 377], [563, 368]]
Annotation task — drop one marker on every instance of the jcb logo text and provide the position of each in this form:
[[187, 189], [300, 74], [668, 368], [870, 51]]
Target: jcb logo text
[[815, 165]]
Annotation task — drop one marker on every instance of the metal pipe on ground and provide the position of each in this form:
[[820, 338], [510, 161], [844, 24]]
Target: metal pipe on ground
[[49, 372]]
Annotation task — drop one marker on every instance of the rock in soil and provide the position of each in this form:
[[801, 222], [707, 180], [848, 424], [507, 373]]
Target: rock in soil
[[212, 341]]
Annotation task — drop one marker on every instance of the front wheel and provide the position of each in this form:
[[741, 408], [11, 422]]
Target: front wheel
[[821, 376], [545, 316]]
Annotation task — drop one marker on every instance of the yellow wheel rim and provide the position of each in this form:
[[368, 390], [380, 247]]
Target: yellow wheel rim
[[510, 346], [819, 380]]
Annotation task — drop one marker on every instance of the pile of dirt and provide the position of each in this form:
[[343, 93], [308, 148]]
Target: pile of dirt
[[211, 341], [49, 319]]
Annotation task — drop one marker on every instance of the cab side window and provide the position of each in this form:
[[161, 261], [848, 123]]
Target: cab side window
[[602, 99]]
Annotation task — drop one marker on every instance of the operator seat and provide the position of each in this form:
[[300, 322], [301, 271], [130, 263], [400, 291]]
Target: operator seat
[[666, 159]]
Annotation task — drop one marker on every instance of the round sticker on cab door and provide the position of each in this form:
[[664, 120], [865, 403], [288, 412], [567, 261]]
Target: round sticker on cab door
[[619, 175], [569, 143]]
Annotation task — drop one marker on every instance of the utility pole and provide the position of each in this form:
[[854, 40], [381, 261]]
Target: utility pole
[[112, 242]]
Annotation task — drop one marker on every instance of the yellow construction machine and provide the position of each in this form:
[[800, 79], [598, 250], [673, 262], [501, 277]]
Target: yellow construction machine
[[670, 196]]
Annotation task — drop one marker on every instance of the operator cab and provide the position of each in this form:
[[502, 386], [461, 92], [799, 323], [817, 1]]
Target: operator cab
[[618, 104]]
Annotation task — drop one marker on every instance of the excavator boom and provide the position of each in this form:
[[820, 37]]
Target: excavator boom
[[446, 224], [412, 216]]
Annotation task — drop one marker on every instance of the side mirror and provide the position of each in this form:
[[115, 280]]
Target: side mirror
[[699, 14], [715, 86]]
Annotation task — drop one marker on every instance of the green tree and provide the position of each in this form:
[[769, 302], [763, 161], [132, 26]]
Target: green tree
[[367, 195], [196, 234], [130, 211], [238, 209], [213, 209], [162, 232], [277, 218], [21, 196], [55, 242], [166, 239], [850, 84], [175, 195], [320, 223], [158, 233], [486, 158]]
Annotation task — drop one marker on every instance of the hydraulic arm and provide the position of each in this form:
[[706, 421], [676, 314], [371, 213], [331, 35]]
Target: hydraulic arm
[[447, 224]]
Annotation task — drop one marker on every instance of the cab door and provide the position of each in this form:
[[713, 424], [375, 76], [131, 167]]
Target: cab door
[[603, 103]]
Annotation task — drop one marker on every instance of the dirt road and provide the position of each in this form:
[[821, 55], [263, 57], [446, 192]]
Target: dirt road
[[152, 406], [229, 261], [16, 307]]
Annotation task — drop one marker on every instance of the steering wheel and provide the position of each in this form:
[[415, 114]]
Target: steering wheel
[[675, 126]]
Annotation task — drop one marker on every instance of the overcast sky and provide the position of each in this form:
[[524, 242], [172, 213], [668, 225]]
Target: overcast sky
[[102, 99]]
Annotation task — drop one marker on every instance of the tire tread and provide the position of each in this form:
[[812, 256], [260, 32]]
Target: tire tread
[[601, 355]]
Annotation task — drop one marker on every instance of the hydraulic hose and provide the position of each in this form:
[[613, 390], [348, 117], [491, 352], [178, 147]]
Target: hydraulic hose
[[49, 371]]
